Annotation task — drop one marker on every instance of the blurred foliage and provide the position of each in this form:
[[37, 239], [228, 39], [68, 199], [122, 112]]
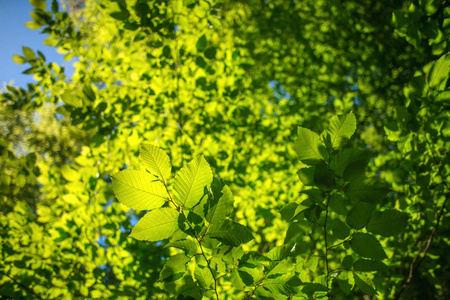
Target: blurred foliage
[[232, 81]]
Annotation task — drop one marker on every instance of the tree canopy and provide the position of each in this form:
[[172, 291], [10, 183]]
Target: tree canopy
[[225, 149]]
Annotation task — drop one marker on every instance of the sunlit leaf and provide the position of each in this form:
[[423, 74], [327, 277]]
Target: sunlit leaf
[[175, 265], [188, 245], [156, 225], [340, 130], [220, 208], [156, 161], [309, 147], [39, 4], [18, 59], [440, 73], [139, 190], [231, 233], [191, 181]]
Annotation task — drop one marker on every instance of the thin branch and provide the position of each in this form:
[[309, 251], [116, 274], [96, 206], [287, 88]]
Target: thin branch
[[414, 267], [347, 239]]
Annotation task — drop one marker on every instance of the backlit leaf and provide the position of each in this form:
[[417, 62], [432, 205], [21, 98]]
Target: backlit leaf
[[341, 130], [19, 59], [221, 208], [231, 233], [440, 72], [174, 265], [39, 4], [69, 173], [156, 225], [340, 160], [188, 245], [309, 147], [156, 161], [139, 190], [190, 182], [28, 53]]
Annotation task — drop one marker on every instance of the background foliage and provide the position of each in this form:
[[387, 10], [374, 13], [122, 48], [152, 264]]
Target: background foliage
[[232, 81]]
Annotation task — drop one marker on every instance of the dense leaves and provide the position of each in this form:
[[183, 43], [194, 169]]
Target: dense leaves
[[267, 149]]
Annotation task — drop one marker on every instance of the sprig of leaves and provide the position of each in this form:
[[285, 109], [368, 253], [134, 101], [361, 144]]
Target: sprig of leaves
[[196, 220]]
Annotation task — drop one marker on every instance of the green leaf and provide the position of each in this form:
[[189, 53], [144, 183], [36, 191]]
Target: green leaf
[[71, 99], [55, 6], [254, 258], [190, 182], [221, 208], [69, 173], [309, 147], [210, 53], [368, 190], [188, 245], [288, 211], [347, 262], [177, 6], [360, 214], [119, 10], [356, 169], [184, 286], [19, 59], [413, 36], [323, 177], [388, 223], [306, 175], [443, 97], [341, 130], [278, 287], [39, 4], [175, 265], [279, 252], [339, 229], [231, 233], [29, 54], [341, 160], [156, 161], [364, 284], [156, 225], [203, 276], [339, 204], [139, 190], [368, 265], [236, 280], [89, 93], [367, 246], [201, 43], [346, 281], [440, 72]]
